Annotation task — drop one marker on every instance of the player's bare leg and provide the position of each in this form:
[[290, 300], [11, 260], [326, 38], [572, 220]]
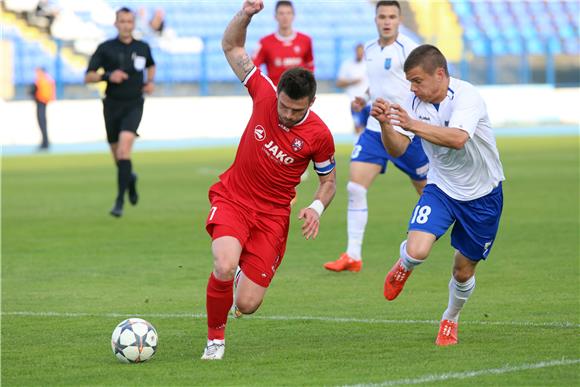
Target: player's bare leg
[[412, 252], [362, 175], [461, 286], [249, 295]]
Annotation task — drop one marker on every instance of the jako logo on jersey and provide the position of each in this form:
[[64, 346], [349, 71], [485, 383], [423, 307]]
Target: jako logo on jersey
[[278, 154], [297, 144], [424, 118], [259, 133]]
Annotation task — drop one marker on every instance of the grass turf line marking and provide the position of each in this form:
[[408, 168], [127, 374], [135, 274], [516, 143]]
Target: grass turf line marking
[[549, 324], [473, 374]]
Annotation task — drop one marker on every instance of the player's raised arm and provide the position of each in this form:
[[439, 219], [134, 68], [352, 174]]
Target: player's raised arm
[[234, 39], [323, 197]]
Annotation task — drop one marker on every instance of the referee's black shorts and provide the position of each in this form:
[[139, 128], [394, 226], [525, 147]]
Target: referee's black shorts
[[121, 115]]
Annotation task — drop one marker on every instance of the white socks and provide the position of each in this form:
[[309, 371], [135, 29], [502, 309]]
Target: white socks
[[356, 219], [407, 261], [459, 292]]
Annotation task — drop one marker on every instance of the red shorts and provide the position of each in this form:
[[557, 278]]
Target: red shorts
[[262, 236]]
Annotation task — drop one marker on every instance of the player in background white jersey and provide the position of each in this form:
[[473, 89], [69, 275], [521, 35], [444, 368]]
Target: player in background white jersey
[[352, 76], [384, 59], [463, 188]]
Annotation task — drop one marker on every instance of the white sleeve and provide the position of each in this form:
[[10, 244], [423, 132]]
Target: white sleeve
[[467, 111], [343, 72]]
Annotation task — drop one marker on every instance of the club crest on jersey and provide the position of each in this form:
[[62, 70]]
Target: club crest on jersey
[[388, 62], [259, 133], [297, 144], [297, 49]]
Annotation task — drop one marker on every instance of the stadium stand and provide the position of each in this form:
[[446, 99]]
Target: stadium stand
[[516, 27], [334, 32], [189, 49]]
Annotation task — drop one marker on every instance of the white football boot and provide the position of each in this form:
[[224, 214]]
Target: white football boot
[[214, 350]]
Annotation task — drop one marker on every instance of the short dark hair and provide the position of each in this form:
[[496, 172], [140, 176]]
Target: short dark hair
[[428, 57], [123, 10], [283, 3], [388, 3], [298, 83]]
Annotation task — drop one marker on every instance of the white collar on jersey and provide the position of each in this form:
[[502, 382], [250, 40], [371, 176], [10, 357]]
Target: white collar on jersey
[[285, 39]]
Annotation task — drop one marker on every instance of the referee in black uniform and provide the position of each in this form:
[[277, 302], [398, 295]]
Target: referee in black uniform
[[124, 60]]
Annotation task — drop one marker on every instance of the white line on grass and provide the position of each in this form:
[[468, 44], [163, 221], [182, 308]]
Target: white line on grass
[[548, 324], [473, 374]]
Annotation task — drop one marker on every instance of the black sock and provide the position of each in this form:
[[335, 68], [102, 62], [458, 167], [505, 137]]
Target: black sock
[[123, 178]]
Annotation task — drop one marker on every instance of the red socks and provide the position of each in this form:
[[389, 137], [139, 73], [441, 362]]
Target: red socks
[[219, 300]]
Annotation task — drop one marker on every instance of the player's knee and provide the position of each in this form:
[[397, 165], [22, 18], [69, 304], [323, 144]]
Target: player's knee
[[415, 250], [357, 195], [462, 274], [123, 154], [224, 268], [248, 305]]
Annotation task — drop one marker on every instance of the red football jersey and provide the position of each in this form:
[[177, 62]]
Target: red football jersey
[[270, 157], [280, 53]]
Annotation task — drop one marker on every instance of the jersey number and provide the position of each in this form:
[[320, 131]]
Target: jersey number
[[356, 151], [212, 212], [421, 214]]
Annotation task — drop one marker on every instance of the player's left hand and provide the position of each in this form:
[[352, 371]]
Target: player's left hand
[[311, 222], [398, 116], [148, 88]]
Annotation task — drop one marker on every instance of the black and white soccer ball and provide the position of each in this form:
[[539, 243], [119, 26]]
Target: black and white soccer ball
[[134, 341]]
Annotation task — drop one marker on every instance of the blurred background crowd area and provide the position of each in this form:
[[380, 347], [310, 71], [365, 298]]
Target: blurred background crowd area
[[486, 42]]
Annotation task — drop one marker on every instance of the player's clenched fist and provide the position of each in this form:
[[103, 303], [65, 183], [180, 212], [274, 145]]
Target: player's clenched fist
[[252, 7], [399, 116], [380, 110]]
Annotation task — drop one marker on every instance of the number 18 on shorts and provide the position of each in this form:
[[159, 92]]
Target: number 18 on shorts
[[475, 222]]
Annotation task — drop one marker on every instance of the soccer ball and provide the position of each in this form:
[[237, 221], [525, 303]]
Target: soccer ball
[[134, 341]]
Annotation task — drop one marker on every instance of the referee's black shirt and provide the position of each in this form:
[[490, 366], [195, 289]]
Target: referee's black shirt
[[132, 58]]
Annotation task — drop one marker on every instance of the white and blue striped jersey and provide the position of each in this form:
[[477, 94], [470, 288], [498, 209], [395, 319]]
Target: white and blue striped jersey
[[385, 72], [473, 171]]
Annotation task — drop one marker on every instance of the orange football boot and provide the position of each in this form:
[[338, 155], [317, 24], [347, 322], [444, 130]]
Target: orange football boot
[[447, 333], [344, 263], [395, 280]]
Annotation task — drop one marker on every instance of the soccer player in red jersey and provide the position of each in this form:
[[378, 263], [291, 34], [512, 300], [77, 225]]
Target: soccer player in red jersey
[[250, 205], [285, 48]]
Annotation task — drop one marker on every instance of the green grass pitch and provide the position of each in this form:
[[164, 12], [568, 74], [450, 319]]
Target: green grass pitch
[[71, 272]]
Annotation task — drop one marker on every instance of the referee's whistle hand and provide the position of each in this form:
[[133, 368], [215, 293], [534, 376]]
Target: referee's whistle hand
[[118, 76], [148, 88]]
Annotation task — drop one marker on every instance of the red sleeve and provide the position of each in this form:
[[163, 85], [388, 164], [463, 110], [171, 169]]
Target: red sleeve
[[259, 85], [259, 57], [308, 56]]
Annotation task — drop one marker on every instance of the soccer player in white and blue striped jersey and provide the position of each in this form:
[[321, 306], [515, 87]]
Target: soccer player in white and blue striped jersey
[[463, 188]]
